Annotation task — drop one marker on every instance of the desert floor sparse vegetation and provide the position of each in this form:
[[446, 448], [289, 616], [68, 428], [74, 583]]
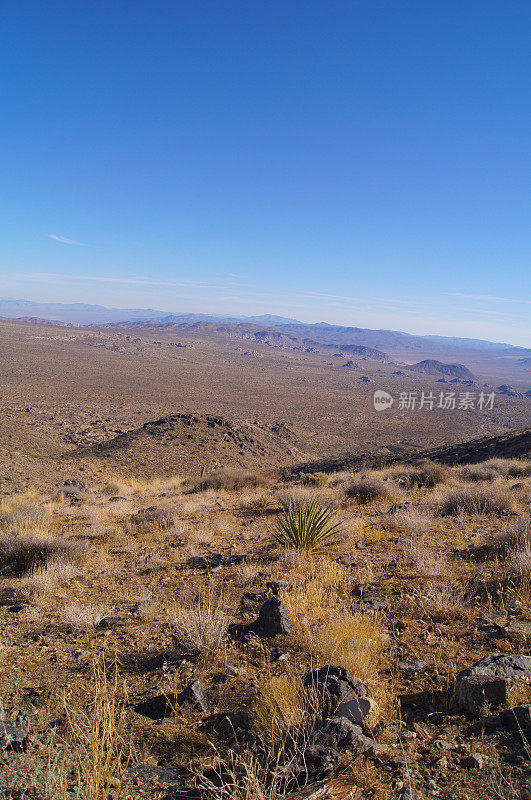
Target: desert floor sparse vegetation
[[159, 635]]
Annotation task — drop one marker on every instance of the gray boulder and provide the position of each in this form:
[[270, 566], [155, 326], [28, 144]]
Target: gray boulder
[[194, 696], [477, 694], [341, 734], [273, 619], [334, 685], [499, 665]]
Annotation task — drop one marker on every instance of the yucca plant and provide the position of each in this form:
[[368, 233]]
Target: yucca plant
[[261, 502], [307, 526]]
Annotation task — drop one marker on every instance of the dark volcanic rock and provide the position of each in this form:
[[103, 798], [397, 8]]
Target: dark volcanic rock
[[518, 717], [334, 685], [194, 696], [475, 694], [341, 734], [273, 619]]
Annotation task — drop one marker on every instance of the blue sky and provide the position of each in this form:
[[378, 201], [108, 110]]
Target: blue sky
[[365, 163]]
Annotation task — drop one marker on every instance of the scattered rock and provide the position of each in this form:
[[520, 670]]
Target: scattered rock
[[412, 667], [14, 735], [500, 665], [73, 490], [358, 710], [273, 620], [474, 761], [164, 705], [518, 717], [194, 696], [340, 733], [476, 694], [318, 761], [334, 685]]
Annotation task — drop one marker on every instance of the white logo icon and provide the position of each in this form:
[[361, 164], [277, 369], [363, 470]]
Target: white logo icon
[[382, 400]]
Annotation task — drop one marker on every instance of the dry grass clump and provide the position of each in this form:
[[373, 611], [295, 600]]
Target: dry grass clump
[[230, 480], [440, 603], [27, 543], [495, 468], [416, 521], [424, 474], [84, 615], [201, 625], [150, 520], [427, 561], [367, 489], [42, 580], [282, 710], [309, 526], [315, 591], [100, 747], [521, 561], [260, 503], [473, 500], [355, 641]]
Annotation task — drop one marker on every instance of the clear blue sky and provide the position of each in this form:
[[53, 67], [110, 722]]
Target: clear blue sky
[[366, 163]]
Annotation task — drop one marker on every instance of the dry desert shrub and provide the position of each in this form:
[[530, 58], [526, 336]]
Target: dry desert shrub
[[27, 543], [315, 591], [43, 579], [516, 537], [150, 520], [511, 467], [424, 474], [440, 603], [201, 624], [230, 480], [316, 479], [367, 489], [355, 641], [521, 560], [477, 473], [84, 615], [282, 711], [473, 500], [416, 521], [427, 561]]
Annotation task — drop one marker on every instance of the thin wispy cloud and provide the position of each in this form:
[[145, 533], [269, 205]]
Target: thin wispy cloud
[[124, 281], [490, 298], [65, 240]]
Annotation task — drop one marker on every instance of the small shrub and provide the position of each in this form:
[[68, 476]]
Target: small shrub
[[150, 520], [201, 626], [477, 473], [84, 615], [316, 479], [228, 479], [365, 490], [424, 474], [474, 501], [23, 549], [307, 527], [43, 580]]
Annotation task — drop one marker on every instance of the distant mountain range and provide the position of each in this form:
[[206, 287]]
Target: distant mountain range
[[339, 336]]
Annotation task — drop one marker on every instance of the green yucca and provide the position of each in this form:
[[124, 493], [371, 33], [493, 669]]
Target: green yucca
[[306, 526], [261, 502]]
